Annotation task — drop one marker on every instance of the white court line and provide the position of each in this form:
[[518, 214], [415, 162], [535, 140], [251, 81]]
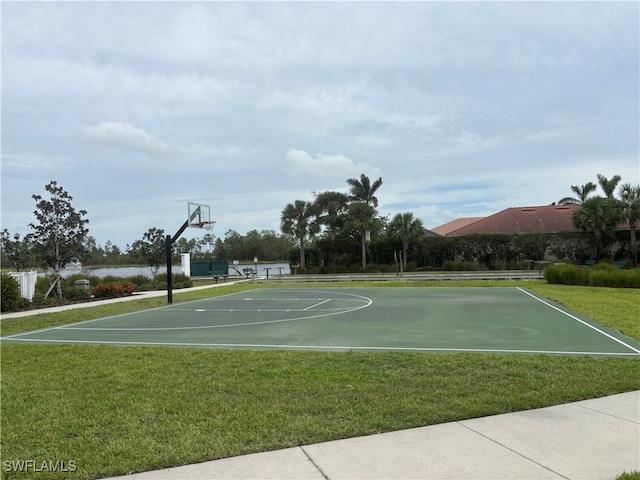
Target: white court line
[[317, 304], [324, 347], [579, 320], [365, 302], [82, 322]]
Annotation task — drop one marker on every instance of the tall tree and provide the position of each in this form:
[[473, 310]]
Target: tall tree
[[16, 251], [332, 206], [59, 232], [600, 216], [152, 249], [608, 185], [582, 193], [406, 228], [298, 219], [630, 202], [363, 191]]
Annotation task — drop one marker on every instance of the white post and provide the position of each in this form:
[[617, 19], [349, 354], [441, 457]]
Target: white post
[[185, 263]]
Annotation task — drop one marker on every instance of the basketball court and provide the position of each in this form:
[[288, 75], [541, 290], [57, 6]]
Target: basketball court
[[434, 319]]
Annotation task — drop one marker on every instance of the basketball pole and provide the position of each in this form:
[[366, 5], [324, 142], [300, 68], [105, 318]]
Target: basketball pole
[[169, 241]]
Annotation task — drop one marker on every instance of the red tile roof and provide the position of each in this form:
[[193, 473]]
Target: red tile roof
[[552, 218], [448, 227]]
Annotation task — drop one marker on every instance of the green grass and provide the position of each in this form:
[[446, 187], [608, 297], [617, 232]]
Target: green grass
[[113, 410], [632, 475]]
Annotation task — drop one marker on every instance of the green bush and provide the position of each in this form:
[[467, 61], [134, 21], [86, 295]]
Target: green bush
[[573, 275], [552, 274], [138, 279], [75, 294], [602, 276], [605, 267], [113, 290], [42, 285], [454, 266], [10, 293]]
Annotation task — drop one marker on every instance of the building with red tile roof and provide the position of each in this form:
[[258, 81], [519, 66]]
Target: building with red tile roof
[[546, 219]]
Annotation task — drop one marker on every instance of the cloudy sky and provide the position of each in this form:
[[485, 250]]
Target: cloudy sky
[[463, 108]]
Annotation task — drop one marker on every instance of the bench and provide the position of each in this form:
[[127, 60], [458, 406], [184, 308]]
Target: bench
[[247, 271], [620, 264], [589, 263], [219, 274]]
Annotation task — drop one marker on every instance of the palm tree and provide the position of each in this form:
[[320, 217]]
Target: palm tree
[[298, 220], [630, 201], [332, 207], [582, 193], [363, 192], [599, 215], [406, 228], [608, 186]]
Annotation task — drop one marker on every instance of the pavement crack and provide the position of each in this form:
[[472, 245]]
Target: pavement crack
[[314, 464], [512, 450]]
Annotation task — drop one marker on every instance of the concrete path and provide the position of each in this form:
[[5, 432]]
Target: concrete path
[[591, 439]]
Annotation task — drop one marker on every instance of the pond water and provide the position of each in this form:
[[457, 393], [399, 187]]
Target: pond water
[[274, 269]]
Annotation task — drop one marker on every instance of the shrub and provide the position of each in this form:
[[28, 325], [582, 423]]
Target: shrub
[[573, 275], [603, 276], [552, 274], [450, 265], [42, 285], [110, 279], [138, 279], [10, 293], [114, 289], [605, 267], [74, 294]]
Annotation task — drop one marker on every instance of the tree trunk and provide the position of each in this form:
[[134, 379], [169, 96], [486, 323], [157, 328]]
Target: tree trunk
[[634, 244], [302, 259]]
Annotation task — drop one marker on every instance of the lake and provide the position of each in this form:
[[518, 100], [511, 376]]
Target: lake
[[146, 271]]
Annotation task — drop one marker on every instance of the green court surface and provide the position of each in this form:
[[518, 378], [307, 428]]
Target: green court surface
[[509, 319]]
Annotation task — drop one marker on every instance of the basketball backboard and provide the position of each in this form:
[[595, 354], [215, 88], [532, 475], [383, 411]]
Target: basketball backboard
[[198, 215]]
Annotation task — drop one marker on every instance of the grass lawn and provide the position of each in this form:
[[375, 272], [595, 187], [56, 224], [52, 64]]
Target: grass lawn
[[113, 410]]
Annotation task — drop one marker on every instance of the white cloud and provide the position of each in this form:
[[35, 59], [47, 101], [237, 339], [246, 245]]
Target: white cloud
[[327, 166], [126, 136]]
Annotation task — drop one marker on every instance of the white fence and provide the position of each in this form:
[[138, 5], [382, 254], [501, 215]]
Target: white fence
[[27, 281]]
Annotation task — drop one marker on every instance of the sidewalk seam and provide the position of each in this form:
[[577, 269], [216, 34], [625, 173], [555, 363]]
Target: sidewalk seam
[[314, 463], [609, 414], [512, 450]]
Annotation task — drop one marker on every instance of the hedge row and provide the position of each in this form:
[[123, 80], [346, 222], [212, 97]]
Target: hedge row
[[600, 275]]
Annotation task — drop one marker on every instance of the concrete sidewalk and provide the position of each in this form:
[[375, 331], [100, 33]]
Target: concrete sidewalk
[[591, 439]]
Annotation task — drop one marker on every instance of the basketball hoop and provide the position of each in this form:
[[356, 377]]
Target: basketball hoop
[[207, 225]]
